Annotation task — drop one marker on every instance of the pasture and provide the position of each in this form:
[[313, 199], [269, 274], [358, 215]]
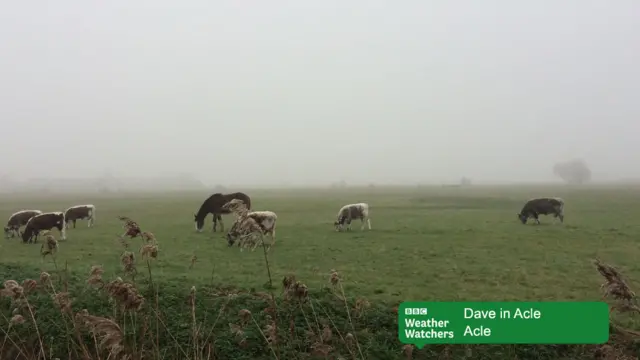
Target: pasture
[[428, 243]]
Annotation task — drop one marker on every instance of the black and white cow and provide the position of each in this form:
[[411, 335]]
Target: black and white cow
[[17, 220], [542, 206], [351, 212], [80, 212], [46, 221]]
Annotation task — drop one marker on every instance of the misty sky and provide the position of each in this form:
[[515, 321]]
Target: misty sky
[[311, 92]]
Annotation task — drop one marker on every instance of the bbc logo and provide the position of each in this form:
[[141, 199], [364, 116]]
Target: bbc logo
[[415, 311]]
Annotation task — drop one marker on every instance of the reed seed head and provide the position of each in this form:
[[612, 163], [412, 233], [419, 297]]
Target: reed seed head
[[17, 319]]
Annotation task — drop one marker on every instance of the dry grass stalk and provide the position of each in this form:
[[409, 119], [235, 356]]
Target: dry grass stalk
[[327, 334], [270, 331], [407, 350], [288, 281], [238, 330], [95, 276], [125, 295], [350, 341], [128, 263], [12, 290], [360, 307], [245, 230], [192, 297], [63, 301], [123, 242], [245, 316], [194, 258], [29, 286], [238, 333], [608, 352], [45, 279], [616, 287], [294, 289], [321, 350], [132, 229], [336, 282], [335, 277], [49, 246], [17, 320], [106, 330], [148, 237], [149, 251], [16, 292]]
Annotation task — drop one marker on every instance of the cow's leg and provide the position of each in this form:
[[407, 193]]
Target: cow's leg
[[74, 223], [221, 222], [535, 216], [361, 223], [215, 222], [369, 223], [63, 233], [256, 242]]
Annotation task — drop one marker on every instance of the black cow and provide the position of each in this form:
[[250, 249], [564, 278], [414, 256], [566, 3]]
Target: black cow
[[542, 206]]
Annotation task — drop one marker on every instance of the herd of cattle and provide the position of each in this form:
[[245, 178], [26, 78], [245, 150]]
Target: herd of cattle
[[36, 221], [247, 222]]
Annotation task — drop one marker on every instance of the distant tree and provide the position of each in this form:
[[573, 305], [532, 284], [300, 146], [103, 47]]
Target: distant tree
[[573, 171], [465, 181]]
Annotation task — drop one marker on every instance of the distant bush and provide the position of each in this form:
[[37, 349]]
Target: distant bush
[[573, 172]]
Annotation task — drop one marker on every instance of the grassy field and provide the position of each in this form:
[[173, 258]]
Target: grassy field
[[427, 243]]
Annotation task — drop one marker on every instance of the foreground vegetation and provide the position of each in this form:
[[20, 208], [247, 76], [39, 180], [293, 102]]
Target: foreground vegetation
[[186, 295]]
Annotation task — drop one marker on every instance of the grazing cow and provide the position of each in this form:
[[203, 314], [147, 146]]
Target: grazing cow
[[213, 205], [17, 220], [351, 212], [249, 223], [46, 221], [542, 206], [80, 212]]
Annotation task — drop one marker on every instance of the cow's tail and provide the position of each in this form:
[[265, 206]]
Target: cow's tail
[[63, 231], [560, 209], [92, 218]]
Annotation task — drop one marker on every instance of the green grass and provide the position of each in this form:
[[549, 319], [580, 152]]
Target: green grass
[[427, 243]]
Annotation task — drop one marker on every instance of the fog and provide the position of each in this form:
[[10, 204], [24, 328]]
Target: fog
[[314, 92]]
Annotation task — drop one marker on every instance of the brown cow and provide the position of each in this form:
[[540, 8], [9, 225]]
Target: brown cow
[[46, 221], [80, 212], [17, 220]]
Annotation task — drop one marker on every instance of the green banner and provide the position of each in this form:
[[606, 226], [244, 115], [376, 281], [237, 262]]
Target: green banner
[[423, 323]]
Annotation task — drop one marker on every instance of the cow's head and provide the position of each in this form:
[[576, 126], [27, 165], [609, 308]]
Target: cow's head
[[7, 232], [231, 238], [27, 234], [522, 218], [199, 222], [338, 224]]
